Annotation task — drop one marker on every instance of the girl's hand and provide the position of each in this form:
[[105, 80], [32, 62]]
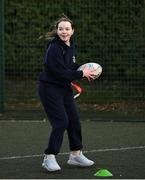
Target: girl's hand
[[89, 74]]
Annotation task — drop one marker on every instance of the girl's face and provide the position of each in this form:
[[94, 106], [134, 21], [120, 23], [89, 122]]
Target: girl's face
[[65, 31]]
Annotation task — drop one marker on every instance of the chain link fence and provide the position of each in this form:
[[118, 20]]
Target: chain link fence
[[111, 33]]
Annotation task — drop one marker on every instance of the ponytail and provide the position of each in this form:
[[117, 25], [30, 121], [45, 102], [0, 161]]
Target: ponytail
[[52, 33]]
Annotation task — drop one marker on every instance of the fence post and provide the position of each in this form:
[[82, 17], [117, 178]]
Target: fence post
[[1, 56]]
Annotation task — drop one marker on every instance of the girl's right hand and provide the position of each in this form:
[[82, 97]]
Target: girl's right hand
[[89, 74]]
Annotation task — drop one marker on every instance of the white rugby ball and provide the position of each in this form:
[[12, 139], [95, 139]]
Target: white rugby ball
[[92, 66]]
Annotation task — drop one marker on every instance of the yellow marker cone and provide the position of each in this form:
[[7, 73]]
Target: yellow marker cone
[[103, 173]]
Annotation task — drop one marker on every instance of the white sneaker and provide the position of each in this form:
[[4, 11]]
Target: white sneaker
[[50, 163], [79, 160]]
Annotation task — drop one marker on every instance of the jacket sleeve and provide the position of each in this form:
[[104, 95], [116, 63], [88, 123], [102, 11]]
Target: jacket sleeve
[[54, 61]]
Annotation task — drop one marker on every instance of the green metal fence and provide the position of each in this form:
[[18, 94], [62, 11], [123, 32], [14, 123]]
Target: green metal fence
[[111, 33]]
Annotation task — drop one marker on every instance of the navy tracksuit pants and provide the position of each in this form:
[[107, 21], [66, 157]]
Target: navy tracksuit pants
[[60, 108]]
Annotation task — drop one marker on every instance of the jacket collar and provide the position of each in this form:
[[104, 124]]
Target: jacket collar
[[57, 39]]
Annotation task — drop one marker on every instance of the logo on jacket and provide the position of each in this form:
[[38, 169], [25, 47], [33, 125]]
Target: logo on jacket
[[74, 59]]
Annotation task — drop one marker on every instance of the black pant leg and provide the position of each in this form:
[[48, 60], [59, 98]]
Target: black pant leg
[[74, 125], [52, 101]]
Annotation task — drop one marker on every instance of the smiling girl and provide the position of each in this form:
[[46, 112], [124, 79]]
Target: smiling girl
[[56, 95]]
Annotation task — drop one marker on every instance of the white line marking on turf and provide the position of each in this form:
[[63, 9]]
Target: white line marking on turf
[[66, 153], [23, 121]]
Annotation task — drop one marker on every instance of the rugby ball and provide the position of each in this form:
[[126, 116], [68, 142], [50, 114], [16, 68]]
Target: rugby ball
[[92, 66]]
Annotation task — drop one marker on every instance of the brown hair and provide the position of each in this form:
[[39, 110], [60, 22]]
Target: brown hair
[[51, 34]]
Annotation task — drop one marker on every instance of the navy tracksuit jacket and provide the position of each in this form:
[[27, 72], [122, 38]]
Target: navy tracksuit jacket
[[56, 95]]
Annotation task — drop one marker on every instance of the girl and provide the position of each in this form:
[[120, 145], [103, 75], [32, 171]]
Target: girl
[[56, 96]]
